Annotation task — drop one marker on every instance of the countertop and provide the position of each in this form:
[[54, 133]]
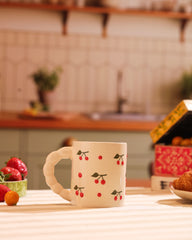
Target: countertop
[[73, 121], [146, 215]]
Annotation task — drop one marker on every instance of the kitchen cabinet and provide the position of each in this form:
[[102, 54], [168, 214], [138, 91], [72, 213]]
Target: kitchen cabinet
[[34, 145], [104, 12]]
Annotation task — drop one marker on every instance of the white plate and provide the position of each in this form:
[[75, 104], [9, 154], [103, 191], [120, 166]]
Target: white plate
[[182, 194]]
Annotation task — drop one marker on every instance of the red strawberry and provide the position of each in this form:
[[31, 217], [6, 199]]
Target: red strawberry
[[3, 190], [15, 175], [19, 165]]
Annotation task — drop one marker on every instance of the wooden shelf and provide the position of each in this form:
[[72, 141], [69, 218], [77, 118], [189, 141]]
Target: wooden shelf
[[72, 121], [104, 12]]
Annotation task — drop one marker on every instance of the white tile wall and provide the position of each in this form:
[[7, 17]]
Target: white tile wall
[[148, 53]]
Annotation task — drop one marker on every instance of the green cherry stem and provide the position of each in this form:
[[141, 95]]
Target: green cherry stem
[[118, 193], [84, 153], [81, 188]]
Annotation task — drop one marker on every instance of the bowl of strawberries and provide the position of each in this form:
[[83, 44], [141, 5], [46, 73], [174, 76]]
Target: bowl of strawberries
[[14, 176]]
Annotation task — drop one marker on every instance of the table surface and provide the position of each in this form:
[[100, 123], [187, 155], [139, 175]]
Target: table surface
[[42, 214]]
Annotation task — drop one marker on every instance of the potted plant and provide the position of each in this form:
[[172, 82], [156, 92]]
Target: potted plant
[[186, 85], [46, 81]]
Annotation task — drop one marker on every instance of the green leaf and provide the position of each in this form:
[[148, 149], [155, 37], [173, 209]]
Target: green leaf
[[114, 192], [4, 177], [23, 176], [7, 176], [76, 187], [46, 80], [186, 84], [95, 175], [79, 152], [116, 156]]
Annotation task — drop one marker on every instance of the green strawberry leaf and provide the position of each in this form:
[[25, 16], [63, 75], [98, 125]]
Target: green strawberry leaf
[[95, 175], [4, 177], [23, 176], [1, 178], [7, 176]]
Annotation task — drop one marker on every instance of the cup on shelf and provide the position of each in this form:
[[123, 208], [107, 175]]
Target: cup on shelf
[[37, 1], [110, 3], [68, 3], [184, 6], [80, 3], [53, 1], [134, 4], [146, 4], [168, 5], [156, 5]]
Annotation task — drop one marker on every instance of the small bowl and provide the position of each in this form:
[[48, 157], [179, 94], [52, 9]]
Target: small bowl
[[18, 186]]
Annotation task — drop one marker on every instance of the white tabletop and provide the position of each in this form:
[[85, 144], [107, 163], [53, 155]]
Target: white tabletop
[[146, 215]]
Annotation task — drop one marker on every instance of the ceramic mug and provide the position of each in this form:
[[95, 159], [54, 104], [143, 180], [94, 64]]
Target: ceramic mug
[[98, 173]]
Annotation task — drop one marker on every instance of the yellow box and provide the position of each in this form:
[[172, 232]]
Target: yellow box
[[177, 123]]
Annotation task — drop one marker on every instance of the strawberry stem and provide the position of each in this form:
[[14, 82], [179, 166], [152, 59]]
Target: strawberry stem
[[4, 177]]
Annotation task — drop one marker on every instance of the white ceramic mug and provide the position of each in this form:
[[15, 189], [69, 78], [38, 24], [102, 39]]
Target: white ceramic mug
[[98, 173]]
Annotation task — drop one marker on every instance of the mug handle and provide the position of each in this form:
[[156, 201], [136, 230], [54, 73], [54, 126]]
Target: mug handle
[[48, 170]]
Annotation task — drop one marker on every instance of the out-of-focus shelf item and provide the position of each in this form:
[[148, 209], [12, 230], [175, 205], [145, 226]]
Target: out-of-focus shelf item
[[49, 115], [105, 12]]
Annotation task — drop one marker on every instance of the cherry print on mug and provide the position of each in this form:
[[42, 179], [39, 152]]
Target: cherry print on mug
[[80, 175], [78, 191], [119, 158], [83, 155], [98, 176], [117, 194]]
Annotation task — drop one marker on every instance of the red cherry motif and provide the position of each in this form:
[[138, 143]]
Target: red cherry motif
[[81, 194], [83, 155], [100, 157], [96, 181], [98, 176], [119, 158], [99, 194], [80, 175], [78, 191], [102, 181], [117, 194]]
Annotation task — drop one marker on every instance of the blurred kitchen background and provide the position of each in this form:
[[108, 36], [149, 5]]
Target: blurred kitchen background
[[147, 50], [139, 61]]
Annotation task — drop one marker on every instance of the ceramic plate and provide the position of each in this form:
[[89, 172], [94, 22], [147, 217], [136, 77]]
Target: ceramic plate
[[182, 194]]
